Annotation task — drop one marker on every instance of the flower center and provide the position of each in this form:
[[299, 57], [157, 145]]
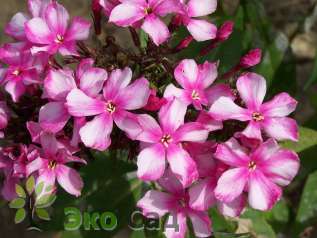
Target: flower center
[[166, 140], [16, 72], [148, 10], [111, 107], [59, 39], [256, 116], [52, 164], [195, 95], [252, 166]]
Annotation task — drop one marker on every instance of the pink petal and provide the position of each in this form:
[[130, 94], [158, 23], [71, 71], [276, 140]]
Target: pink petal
[[37, 31], [16, 89], [130, 100], [59, 83], [186, 73], [78, 30], [252, 90], [178, 231], [282, 167], [202, 30], [231, 184], [34, 165], [69, 179], [15, 27], [151, 162], [37, 7], [118, 80], [128, 122], [57, 18], [217, 91], [172, 91], [92, 81], [199, 8], [263, 194], [265, 151], [68, 48], [182, 165], [79, 104], [156, 202], [201, 223], [224, 109], [252, 131], [201, 195], [209, 122], [230, 156], [281, 128], [162, 8], [49, 144], [280, 106], [96, 133], [152, 132], [208, 73], [35, 130], [191, 131], [234, 208], [126, 14], [47, 176], [53, 117], [79, 122], [170, 183], [156, 28], [172, 115]]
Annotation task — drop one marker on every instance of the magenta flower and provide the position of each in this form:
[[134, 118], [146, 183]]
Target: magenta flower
[[164, 141], [196, 80], [130, 12], [175, 202], [50, 166], [52, 34], [201, 30], [23, 68], [15, 28], [258, 172], [269, 116], [118, 99], [4, 117], [108, 5]]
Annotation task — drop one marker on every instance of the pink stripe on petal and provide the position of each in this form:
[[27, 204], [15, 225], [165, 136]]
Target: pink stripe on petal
[[37, 31], [208, 72], [265, 151], [252, 90], [92, 81], [263, 194], [283, 128], [201, 195], [186, 73], [280, 106], [126, 14], [78, 30], [191, 131], [182, 165], [69, 179], [216, 91], [79, 104], [96, 133], [152, 132], [57, 17], [128, 122], [209, 123], [16, 89], [151, 163], [156, 28], [232, 156], [231, 184], [34, 165]]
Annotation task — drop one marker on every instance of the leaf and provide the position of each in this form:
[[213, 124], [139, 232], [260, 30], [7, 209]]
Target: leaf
[[17, 203], [42, 214], [45, 201], [19, 215], [39, 188], [30, 184], [143, 39], [313, 77], [308, 203], [307, 139], [20, 191]]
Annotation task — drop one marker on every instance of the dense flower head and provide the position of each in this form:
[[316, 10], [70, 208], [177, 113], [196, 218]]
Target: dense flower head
[[205, 137]]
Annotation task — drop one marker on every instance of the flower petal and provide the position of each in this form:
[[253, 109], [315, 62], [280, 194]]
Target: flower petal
[[201, 223], [53, 117], [170, 183], [34, 165], [263, 194], [283, 128], [156, 202], [252, 131], [78, 30], [128, 122], [92, 80], [280, 106], [152, 132], [252, 90], [175, 226], [96, 133], [199, 8], [209, 123], [230, 156], [182, 165], [57, 18], [15, 27], [156, 28], [191, 131], [234, 208], [69, 179], [151, 162], [79, 104], [37, 31], [186, 73], [16, 89], [201, 195], [220, 90], [202, 30], [126, 14], [231, 184], [208, 73]]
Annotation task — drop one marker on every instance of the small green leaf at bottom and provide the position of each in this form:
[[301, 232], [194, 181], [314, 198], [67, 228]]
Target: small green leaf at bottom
[[19, 215], [42, 214]]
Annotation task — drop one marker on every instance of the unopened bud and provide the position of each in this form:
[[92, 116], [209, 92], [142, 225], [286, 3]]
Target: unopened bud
[[225, 31], [252, 58]]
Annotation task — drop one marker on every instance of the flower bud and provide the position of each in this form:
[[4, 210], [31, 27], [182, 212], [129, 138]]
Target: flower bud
[[252, 58]]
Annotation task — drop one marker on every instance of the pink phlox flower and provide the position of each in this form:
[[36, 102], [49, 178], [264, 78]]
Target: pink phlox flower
[[269, 117], [108, 5], [154, 102], [130, 12], [52, 33]]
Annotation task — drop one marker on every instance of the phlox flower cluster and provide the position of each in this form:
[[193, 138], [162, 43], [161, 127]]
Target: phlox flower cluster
[[206, 141]]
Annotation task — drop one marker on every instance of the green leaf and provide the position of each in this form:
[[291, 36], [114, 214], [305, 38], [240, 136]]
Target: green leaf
[[45, 201], [30, 184], [307, 139], [143, 39], [17, 203], [20, 191], [39, 188], [308, 203], [42, 214], [279, 213], [20, 215], [313, 77]]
